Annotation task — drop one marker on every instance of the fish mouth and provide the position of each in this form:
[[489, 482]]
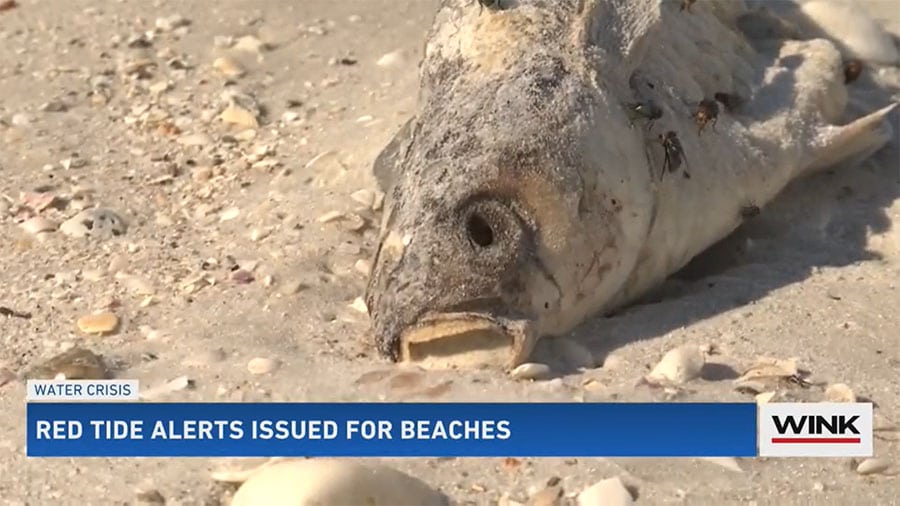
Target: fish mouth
[[467, 340]]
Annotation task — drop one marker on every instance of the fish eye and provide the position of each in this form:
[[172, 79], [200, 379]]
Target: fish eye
[[479, 230]]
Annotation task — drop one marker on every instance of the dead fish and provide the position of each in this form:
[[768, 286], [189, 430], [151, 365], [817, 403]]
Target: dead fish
[[520, 202]]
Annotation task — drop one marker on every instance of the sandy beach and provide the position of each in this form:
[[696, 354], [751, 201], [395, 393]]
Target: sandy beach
[[230, 145]]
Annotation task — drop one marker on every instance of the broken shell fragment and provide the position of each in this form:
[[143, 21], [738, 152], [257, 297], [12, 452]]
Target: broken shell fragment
[[365, 198], [873, 466], [768, 369], [239, 116], [839, 392], [609, 492], [331, 481], [98, 323], [228, 67], [76, 363], [261, 365], [678, 366], [94, 222], [530, 371], [359, 305], [38, 224]]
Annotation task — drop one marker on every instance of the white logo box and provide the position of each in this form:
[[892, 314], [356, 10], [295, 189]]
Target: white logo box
[[815, 430]]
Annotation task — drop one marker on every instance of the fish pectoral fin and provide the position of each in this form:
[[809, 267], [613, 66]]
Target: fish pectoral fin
[[850, 143], [387, 163]]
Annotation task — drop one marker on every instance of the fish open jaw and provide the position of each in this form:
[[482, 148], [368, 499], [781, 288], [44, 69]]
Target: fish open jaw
[[467, 341]]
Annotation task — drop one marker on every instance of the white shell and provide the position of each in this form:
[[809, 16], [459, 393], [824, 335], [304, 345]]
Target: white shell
[[309, 482], [679, 365], [609, 492]]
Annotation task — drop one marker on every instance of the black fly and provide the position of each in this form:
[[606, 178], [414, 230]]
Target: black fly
[[674, 153], [490, 4], [707, 113], [644, 110]]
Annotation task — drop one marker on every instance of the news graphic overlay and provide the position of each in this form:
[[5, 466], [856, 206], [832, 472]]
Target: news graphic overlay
[[82, 390], [129, 429], [815, 430]]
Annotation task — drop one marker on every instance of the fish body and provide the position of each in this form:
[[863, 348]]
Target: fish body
[[522, 198]]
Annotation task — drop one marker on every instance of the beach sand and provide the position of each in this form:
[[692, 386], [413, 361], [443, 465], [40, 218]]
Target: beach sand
[[226, 257]]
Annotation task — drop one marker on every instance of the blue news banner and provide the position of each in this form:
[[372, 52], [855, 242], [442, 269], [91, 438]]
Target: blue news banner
[[79, 429]]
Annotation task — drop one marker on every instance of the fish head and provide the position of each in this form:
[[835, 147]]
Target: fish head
[[455, 270], [499, 241], [503, 216]]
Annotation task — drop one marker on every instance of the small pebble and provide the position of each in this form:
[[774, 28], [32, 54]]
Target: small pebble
[[98, 323], [93, 274], [363, 267], [392, 59], [38, 224], [242, 276], [197, 139], [359, 304], [223, 41], [873, 466], [608, 492], [364, 197], [201, 174], [613, 362], [379, 201], [139, 285], [6, 376], [679, 365], [151, 496], [21, 119], [261, 365], [405, 380], [292, 287], [54, 106], [75, 363], [250, 44], [729, 463], [354, 222], [330, 216], [547, 496], [228, 67], [290, 116], [236, 115], [175, 385], [764, 397], [95, 222], [839, 392], [205, 358], [229, 214], [258, 234], [530, 371], [171, 23]]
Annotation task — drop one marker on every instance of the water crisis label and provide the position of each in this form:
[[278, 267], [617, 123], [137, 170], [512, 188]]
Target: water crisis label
[[82, 390]]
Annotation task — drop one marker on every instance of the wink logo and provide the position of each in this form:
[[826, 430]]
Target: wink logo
[[815, 430]]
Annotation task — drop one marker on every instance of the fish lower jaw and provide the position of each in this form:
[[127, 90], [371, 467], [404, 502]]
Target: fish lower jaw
[[467, 340]]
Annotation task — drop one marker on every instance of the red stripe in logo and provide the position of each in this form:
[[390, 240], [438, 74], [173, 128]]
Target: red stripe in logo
[[814, 440]]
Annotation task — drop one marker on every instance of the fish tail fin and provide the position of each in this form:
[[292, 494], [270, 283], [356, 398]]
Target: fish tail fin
[[850, 143]]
